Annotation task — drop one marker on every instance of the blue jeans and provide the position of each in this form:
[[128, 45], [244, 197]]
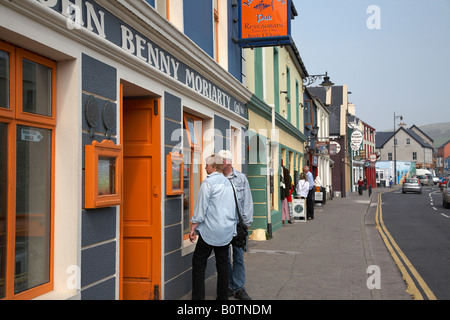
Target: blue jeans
[[236, 270]]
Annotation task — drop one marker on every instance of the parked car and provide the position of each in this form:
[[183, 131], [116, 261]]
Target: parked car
[[443, 182], [412, 185], [435, 180], [446, 196], [426, 180]]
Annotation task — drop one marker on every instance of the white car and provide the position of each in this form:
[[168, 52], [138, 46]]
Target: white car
[[435, 180]]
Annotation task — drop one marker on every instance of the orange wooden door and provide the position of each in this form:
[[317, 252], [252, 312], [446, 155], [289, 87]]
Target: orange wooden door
[[141, 252]]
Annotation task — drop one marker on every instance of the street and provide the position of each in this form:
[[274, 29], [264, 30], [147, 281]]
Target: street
[[420, 225]]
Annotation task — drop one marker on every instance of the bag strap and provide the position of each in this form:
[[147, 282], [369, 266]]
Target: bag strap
[[237, 206]]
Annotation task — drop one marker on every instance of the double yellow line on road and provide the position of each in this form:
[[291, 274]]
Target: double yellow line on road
[[398, 256]]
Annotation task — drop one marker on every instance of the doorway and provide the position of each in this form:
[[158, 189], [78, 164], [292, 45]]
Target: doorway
[[141, 209]]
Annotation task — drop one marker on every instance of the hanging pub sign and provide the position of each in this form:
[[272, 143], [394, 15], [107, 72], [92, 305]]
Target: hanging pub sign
[[356, 140], [265, 23], [335, 148], [322, 148]]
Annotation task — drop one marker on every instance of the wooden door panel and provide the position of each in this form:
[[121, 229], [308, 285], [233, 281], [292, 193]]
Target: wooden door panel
[[134, 290], [138, 188], [137, 259], [141, 258]]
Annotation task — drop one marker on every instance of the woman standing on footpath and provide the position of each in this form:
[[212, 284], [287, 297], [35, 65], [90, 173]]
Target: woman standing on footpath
[[302, 186], [215, 222]]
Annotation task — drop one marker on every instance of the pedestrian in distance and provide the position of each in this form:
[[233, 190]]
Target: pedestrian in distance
[[360, 186], [310, 198], [236, 272], [214, 225]]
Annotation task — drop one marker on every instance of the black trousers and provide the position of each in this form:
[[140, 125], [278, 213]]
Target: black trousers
[[310, 204], [199, 262]]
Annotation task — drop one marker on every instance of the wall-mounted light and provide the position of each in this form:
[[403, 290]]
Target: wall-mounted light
[[326, 83], [287, 97]]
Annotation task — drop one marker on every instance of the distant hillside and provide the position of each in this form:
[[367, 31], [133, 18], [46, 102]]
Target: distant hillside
[[439, 132]]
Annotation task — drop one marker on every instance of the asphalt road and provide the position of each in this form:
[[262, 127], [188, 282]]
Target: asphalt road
[[420, 226]]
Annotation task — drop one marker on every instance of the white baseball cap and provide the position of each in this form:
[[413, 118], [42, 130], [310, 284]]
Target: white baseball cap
[[225, 154]]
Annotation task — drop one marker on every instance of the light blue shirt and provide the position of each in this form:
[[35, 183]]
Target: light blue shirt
[[215, 210], [243, 194], [310, 179]]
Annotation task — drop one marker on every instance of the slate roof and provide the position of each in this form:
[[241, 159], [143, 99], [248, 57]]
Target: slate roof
[[334, 108], [382, 137]]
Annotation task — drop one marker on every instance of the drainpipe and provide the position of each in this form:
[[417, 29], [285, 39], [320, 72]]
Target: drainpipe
[[269, 167]]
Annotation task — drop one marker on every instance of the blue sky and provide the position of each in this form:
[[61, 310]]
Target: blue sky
[[402, 67]]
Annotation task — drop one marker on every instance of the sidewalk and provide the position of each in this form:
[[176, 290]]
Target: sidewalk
[[322, 259]]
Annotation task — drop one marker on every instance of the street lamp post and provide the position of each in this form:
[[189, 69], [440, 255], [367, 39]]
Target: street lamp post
[[395, 150]]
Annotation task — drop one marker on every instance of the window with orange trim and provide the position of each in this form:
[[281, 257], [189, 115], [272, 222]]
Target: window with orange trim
[[192, 166], [27, 140]]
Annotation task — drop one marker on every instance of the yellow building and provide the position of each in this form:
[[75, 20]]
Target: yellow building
[[275, 76]]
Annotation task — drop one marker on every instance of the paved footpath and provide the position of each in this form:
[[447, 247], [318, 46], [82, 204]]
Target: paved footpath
[[329, 258]]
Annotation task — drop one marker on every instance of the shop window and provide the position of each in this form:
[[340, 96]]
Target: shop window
[[27, 126], [192, 167], [3, 204], [7, 85], [4, 79], [36, 88], [308, 113]]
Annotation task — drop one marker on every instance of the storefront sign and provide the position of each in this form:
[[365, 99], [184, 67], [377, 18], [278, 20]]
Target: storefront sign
[[335, 148], [321, 148], [357, 137], [89, 15], [356, 140], [265, 23], [31, 135]]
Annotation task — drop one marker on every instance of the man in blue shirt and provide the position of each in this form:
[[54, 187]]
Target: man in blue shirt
[[310, 199], [215, 222], [236, 272]]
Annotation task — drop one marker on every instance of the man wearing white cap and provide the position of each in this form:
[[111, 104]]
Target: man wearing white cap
[[236, 272]]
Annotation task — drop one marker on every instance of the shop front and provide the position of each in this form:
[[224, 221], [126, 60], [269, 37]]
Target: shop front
[[99, 111]]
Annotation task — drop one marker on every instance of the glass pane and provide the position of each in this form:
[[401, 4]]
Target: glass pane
[[190, 124], [37, 88], [198, 131], [106, 175], [196, 177], [4, 79], [307, 112], [33, 207], [187, 191], [3, 203]]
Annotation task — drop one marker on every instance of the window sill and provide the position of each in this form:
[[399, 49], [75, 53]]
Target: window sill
[[188, 247], [56, 295]]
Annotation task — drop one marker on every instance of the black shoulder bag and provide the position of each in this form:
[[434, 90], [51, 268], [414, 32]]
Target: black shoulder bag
[[240, 239]]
